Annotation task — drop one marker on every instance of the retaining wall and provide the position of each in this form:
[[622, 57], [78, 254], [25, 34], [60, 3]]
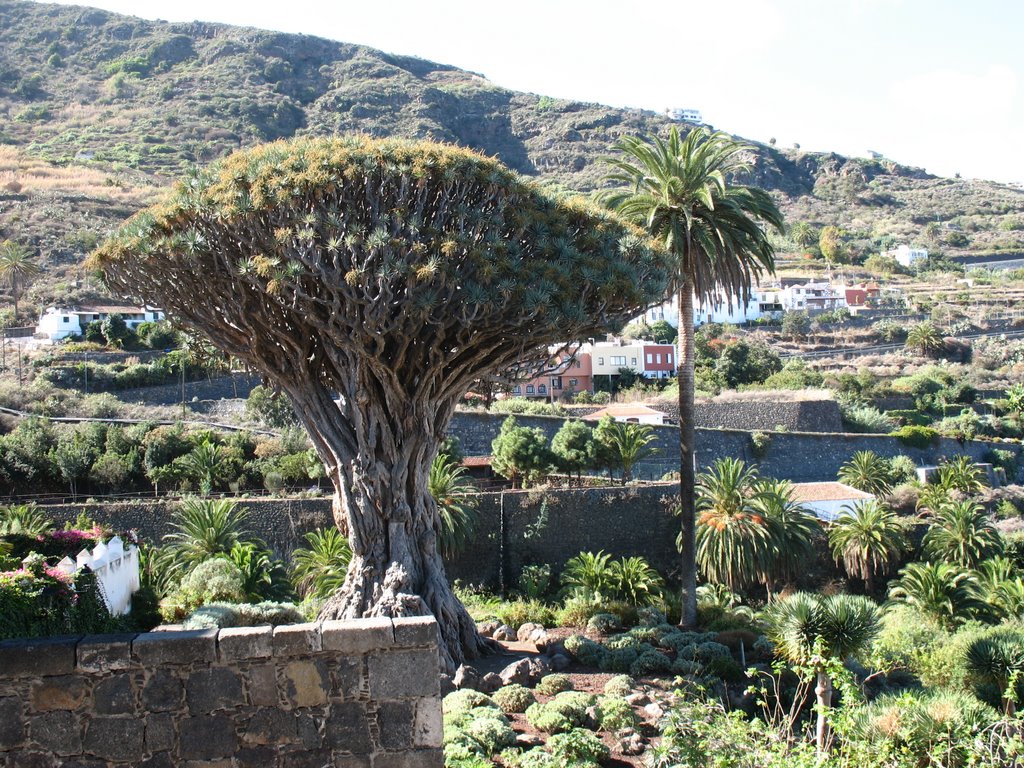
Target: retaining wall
[[363, 694]]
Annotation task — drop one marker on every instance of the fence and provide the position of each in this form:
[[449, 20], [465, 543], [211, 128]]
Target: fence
[[116, 569]]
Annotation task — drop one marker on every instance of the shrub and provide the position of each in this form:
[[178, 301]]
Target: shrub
[[578, 746], [213, 580], [519, 612], [616, 713], [760, 442], [604, 623], [577, 612], [546, 720], [460, 702], [916, 437], [620, 685], [534, 580], [551, 685], [862, 418], [619, 660], [567, 710], [902, 469], [650, 663], [514, 698], [585, 651], [492, 734], [220, 615]]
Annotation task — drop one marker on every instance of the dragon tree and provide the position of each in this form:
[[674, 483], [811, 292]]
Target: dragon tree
[[372, 281]]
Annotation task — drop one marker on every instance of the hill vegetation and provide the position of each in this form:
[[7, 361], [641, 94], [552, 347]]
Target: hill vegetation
[[100, 111]]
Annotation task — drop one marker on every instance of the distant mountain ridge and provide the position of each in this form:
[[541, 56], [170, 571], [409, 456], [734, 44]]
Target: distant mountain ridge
[[139, 101]]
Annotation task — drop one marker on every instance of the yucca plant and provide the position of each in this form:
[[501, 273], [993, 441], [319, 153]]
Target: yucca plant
[[867, 539], [811, 631], [319, 571], [456, 504]]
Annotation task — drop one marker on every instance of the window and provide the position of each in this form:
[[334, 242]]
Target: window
[[657, 358], [668, 358], [542, 390], [600, 361], [616, 360], [65, 319], [574, 382], [650, 358], [529, 389], [579, 364], [633, 363], [556, 382], [517, 390]]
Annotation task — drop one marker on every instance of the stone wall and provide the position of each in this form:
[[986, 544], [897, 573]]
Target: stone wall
[[236, 385], [363, 694]]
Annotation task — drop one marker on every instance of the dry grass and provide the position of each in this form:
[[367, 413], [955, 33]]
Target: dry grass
[[773, 396], [23, 174]]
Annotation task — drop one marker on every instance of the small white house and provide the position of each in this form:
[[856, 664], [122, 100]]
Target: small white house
[[629, 412], [57, 323], [685, 115], [827, 500], [906, 256]]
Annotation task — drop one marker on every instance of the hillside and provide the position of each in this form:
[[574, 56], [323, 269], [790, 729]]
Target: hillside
[[99, 111]]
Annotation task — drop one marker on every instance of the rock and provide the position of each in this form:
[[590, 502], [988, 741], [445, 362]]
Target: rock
[[529, 740], [527, 631], [560, 662], [592, 718], [488, 628], [654, 711], [631, 742], [447, 685], [549, 645], [637, 699], [466, 677], [489, 683], [504, 633], [518, 672], [539, 667]]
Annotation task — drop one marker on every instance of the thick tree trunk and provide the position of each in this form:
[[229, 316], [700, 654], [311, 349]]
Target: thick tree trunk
[[823, 690], [687, 479], [379, 463]]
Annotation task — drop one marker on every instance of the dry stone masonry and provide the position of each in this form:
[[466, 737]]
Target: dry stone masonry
[[358, 694]]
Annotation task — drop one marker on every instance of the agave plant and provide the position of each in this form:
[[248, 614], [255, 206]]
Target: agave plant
[[810, 630], [456, 506], [320, 570], [205, 528], [868, 540], [24, 520]]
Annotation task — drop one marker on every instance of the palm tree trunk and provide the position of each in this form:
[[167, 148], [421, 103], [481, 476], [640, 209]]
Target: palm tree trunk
[[823, 691], [687, 479]]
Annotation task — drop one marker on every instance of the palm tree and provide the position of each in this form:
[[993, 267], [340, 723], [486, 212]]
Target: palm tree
[[868, 540], [961, 533], [320, 570], [941, 590], [734, 541], [678, 190], [205, 528], [792, 530], [631, 443], [811, 630], [456, 509], [866, 471], [963, 474], [925, 338], [207, 464], [16, 266]]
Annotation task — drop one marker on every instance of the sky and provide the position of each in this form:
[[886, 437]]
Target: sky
[[935, 84]]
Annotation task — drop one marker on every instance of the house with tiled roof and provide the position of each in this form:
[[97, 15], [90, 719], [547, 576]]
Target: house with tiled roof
[[827, 500], [629, 412]]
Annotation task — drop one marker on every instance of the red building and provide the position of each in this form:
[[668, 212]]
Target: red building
[[569, 374], [659, 361]]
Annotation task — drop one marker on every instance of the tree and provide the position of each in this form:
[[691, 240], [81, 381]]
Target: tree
[[631, 444], [942, 591], [795, 325], [679, 190], [373, 281], [803, 234], [997, 658], [734, 540], [792, 530], [457, 516], [521, 454], [830, 243], [815, 632], [661, 332], [207, 464], [573, 447], [16, 266], [1015, 399], [205, 528], [961, 533], [115, 330], [866, 471], [925, 339], [73, 457], [747, 362], [868, 540]]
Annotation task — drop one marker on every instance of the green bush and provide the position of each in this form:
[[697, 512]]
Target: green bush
[[620, 685], [523, 406], [221, 615], [514, 698], [585, 651], [459, 702], [551, 685], [604, 623], [616, 713], [519, 612], [546, 720], [578, 747], [650, 663], [916, 437], [211, 581]]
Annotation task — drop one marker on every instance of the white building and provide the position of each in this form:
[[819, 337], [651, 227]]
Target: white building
[[60, 322], [685, 115], [905, 255], [635, 413], [811, 297], [763, 301], [827, 501]]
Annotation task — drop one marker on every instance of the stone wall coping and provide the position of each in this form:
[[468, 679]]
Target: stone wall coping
[[62, 655]]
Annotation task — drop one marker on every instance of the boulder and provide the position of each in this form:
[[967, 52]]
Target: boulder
[[518, 672], [488, 628], [489, 683], [560, 662], [504, 633], [466, 677]]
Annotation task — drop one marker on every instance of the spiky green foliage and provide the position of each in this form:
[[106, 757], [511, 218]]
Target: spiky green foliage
[[24, 520], [866, 471], [997, 658], [793, 530], [805, 626], [734, 541], [962, 533], [205, 528], [867, 539], [16, 266], [963, 474], [630, 443], [925, 338], [320, 570], [681, 192], [945, 592], [456, 506]]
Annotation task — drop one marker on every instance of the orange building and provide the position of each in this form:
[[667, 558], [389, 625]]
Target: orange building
[[569, 374]]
